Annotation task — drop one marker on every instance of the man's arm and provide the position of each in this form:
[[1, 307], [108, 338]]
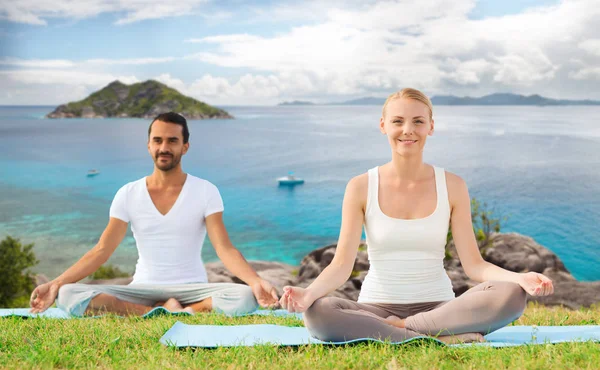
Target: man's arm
[[235, 262], [44, 295], [231, 257]]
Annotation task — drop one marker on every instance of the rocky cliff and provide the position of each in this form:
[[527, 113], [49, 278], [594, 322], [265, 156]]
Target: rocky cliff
[[511, 251]]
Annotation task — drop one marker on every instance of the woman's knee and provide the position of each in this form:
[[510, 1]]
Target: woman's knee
[[513, 297], [319, 311], [317, 318], [518, 297]]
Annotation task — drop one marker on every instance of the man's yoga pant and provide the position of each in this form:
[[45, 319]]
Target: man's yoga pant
[[484, 308], [227, 298]]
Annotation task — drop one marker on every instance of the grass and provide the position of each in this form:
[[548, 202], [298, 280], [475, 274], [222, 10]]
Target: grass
[[112, 342]]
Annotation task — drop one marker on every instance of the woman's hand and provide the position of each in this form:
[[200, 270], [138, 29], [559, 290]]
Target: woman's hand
[[536, 284], [296, 299]]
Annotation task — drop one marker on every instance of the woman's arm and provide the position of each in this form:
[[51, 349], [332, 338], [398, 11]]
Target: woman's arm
[[339, 270], [474, 265]]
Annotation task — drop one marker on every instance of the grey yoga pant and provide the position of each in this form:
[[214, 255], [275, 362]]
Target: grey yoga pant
[[228, 298], [484, 308]]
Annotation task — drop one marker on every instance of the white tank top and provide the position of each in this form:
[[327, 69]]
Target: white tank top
[[406, 256]]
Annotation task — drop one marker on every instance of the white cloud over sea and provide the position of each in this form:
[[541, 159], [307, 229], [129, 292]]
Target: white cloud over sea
[[349, 49]]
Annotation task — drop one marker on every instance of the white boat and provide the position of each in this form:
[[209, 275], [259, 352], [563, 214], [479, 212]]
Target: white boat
[[290, 179], [92, 173]]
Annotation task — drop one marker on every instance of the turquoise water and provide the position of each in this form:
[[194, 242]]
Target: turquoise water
[[538, 165]]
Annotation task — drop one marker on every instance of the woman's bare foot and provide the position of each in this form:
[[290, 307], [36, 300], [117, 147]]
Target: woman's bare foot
[[395, 321], [448, 339], [462, 338]]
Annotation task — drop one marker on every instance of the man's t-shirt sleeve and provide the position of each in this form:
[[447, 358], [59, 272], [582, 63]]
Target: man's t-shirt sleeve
[[118, 208], [214, 202]]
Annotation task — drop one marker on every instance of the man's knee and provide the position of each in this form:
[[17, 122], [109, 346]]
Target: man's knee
[[235, 299], [73, 298], [66, 292], [247, 301]]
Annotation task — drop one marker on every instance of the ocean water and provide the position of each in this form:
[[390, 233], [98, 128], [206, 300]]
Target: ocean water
[[540, 166]]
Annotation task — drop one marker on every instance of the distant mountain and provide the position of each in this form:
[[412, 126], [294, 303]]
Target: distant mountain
[[296, 102], [493, 99], [507, 99], [145, 100]]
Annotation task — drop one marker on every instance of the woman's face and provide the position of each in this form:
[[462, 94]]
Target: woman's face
[[407, 125]]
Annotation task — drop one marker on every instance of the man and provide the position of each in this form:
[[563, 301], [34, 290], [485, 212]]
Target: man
[[170, 213]]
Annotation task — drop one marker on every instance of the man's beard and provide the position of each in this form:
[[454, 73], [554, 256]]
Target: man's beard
[[175, 159]]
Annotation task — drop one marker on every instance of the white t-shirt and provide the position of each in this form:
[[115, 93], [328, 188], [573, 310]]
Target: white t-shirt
[[169, 246]]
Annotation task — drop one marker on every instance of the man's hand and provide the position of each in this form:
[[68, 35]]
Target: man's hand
[[43, 296], [265, 294]]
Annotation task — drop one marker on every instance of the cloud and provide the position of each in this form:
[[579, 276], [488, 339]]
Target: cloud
[[515, 69], [36, 12], [62, 77], [152, 9], [248, 89], [134, 61], [52, 86], [37, 63], [173, 82], [431, 44], [345, 49], [586, 74], [225, 38], [592, 46], [62, 63]]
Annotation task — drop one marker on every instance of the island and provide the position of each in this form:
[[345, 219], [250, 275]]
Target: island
[[141, 100], [296, 102], [492, 99]]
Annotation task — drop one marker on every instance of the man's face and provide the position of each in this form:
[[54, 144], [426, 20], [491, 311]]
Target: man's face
[[166, 146]]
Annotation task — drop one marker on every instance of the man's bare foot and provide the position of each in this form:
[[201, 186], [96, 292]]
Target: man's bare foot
[[395, 321], [189, 310], [173, 305], [462, 338]]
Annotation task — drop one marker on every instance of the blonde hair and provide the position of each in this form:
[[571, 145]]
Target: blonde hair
[[408, 93]]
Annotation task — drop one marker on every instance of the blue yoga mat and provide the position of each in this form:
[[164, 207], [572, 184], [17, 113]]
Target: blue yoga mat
[[54, 313], [210, 336], [57, 313]]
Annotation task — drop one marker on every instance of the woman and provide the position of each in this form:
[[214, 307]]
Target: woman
[[406, 207]]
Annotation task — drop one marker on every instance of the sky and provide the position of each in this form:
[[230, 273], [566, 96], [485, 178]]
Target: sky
[[232, 52]]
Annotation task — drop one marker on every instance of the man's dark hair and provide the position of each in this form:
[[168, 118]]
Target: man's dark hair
[[172, 117]]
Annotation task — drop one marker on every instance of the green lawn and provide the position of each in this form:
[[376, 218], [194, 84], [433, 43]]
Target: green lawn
[[112, 342]]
